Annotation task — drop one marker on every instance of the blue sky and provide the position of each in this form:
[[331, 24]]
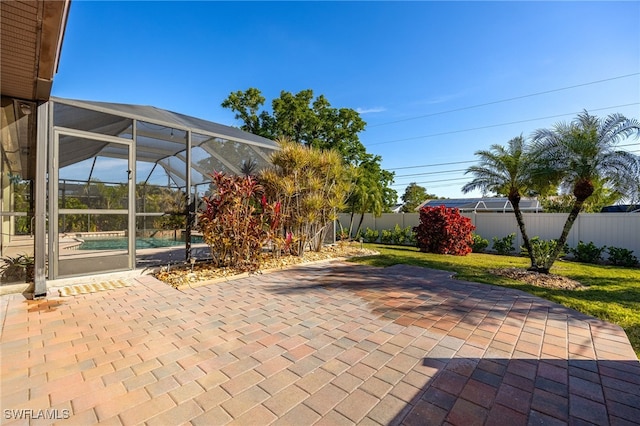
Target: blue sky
[[435, 81]]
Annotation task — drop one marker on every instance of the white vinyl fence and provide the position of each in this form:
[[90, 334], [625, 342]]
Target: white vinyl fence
[[603, 229]]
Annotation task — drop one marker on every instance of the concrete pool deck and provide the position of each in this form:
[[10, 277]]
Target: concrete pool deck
[[327, 343]]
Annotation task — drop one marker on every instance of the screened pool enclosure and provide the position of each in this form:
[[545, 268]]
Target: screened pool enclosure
[[123, 184]]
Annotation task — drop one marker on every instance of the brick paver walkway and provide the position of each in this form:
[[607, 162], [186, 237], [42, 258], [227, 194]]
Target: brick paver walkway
[[330, 343]]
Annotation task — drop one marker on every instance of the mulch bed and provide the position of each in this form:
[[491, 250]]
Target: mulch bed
[[177, 276], [541, 280]]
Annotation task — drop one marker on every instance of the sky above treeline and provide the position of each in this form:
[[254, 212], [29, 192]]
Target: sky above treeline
[[435, 81]]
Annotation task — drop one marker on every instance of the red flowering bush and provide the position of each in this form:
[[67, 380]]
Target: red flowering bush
[[444, 231]]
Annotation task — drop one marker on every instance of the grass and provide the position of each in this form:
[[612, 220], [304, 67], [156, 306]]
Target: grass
[[613, 294]]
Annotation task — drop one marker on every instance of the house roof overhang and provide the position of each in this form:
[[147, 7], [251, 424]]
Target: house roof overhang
[[31, 37]]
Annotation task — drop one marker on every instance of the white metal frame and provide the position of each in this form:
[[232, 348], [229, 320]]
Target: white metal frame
[[55, 211]]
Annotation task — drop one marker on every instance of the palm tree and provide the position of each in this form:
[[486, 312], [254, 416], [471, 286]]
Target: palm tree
[[249, 167], [505, 170], [372, 189], [371, 195], [582, 153], [370, 192]]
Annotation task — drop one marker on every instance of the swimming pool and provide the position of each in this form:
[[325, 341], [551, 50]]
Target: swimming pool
[[121, 243]]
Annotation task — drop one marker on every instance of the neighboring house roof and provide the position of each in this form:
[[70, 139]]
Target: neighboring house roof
[[621, 208], [492, 204], [397, 208]]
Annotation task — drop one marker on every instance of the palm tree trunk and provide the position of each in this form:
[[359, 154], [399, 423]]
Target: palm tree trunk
[[523, 232], [573, 215], [514, 198], [353, 208], [359, 224]]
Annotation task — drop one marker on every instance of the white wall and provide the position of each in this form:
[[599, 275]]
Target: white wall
[[610, 229]]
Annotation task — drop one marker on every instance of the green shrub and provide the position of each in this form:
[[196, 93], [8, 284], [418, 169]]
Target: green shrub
[[479, 243], [397, 236], [410, 238], [386, 237], [370, 235], [20, 268], [542, 250], [504, 245], [402, 236], [587, 253], [311, 185], [342, 235], [622, 257]]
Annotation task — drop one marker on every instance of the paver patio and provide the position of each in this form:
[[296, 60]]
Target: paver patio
[[327, 343]]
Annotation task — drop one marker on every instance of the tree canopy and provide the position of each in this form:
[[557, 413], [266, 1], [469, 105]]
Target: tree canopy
[[506, 170], [583, 154], [413, 196], [313, 122], [301, 118], [371, 191]]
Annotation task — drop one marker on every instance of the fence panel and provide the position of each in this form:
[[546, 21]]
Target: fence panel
[[610, 229], [368, 221], [489, 225]]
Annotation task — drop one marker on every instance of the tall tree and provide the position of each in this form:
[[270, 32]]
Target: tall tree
[[313, 122], [505, 170], [581, 153], [301, 118], [246, 105], [413, 196]]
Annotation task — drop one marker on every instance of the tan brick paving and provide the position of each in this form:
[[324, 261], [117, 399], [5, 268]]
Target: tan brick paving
[[329, 343]]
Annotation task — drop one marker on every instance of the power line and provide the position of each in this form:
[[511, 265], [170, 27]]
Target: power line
[[471, 161], [433, 165], [497, 125], [429, 182], [505, 100], [430, 173], [434, 181], [443, 185]]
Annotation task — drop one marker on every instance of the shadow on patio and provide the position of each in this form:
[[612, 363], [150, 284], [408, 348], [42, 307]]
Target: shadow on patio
[[327, 343]]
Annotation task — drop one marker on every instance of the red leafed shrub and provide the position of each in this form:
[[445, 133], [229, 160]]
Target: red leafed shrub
[[444, 231], [237, 221]]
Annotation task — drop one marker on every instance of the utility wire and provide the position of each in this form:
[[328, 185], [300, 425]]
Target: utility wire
[[506, 100], [434, 181], [470, 161], [433, 165], [430, 173], [451, 171], [496, 125]]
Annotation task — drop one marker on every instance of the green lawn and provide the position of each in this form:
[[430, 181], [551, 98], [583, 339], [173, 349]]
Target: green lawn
[[613, 294]]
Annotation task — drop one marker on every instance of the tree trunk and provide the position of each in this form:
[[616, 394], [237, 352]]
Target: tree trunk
[[360, 223], [573, 215], [322, 235], [351, 220], [515, 202]]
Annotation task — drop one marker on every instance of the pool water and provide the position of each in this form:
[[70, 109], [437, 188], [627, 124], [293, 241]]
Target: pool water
[[121, 243]]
